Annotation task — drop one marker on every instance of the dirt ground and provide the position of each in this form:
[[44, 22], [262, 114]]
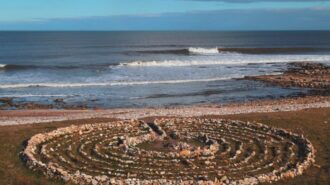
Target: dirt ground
[[313, 123]]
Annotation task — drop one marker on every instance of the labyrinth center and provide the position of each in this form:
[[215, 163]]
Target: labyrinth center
[[170, 151]]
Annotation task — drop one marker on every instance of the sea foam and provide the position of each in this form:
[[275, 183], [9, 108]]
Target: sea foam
[[72, 85], [230, 59], [207, 51]]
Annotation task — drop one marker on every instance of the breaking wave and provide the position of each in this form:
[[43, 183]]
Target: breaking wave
[[72, 85], [224, 50], [185, 51], [290, 50], [202, 51], [240, 60]]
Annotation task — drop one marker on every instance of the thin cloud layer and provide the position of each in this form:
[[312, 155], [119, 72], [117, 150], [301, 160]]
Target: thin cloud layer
[[252, 19]]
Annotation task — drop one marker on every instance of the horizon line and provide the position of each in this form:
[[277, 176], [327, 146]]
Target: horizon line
[[170, 30]]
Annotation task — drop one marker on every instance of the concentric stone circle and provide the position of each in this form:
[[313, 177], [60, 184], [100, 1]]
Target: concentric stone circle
[[170, 151]]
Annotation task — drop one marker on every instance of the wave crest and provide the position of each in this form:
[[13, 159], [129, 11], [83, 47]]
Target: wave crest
[[226, 50], [206, 51], [72, 85], [237, 60], [173, 63]]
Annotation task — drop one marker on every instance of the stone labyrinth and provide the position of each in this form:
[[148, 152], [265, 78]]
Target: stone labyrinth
[[170, 151]]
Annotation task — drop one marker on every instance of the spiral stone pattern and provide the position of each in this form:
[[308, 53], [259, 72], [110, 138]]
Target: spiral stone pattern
[[170, 151]]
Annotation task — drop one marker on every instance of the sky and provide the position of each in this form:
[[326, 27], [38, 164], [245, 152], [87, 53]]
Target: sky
[[164, 15]]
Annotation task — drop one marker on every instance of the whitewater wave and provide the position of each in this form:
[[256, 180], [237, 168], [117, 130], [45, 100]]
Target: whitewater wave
[[185, 51], [171, 63], [228, 61], [71, 85], [281, 50], [227, 50], [201, 51], [3, 65]]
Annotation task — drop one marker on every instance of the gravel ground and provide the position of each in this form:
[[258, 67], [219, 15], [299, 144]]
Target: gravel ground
[[17, 117]]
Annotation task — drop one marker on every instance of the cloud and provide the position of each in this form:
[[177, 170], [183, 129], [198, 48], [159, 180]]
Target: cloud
[[235, 19]]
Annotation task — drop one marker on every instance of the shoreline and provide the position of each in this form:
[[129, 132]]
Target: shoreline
[[300, 74], [19, 117], [315, 76]]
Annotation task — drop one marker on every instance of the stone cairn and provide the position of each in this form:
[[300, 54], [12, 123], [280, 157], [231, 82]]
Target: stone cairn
[[170, 151]]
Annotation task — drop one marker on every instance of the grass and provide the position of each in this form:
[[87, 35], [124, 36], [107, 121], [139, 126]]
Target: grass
[[313, 123]]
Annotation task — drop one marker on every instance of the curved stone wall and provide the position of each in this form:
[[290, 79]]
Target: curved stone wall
[[170, 151]]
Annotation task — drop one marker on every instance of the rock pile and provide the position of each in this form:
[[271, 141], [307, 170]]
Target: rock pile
[[306, 75], [306, 68], [170, 151]]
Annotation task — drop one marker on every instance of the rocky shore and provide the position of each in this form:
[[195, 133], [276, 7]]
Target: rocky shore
[[8, 103], [18, 117], [302, 74]]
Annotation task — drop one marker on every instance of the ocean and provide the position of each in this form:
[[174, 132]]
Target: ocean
[[151, 69]]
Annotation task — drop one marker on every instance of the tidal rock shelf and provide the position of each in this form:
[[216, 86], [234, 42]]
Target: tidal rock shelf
[[170, 151], [300, 74]]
